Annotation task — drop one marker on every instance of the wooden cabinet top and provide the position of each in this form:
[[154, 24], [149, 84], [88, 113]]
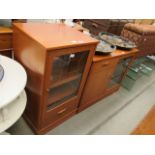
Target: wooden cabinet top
[[4, 30], [116, 53], [55, 36]]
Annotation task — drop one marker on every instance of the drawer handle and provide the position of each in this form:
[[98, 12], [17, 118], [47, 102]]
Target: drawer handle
[[48, 90], [105, 64], [94, 25], [61, 111]]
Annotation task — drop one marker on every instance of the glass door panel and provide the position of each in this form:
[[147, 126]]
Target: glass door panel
[[66, 74], [119, 71]]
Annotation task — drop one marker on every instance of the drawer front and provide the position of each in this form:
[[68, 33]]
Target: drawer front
[[59, 112], [104, 65], [5, 41], [94, 28], [7, 53]]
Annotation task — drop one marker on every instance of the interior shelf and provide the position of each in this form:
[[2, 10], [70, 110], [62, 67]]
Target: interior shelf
[[66, 74], [59, 94], [68, 78]]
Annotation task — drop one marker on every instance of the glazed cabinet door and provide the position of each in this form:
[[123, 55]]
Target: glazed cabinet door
[[66, 74], [119, 73]]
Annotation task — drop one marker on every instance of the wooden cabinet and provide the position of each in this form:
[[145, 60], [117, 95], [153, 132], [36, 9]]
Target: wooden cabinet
[[105, 76], [6, 41], [114, 26], [96, 26], [97, 81], [19, 20], [57, 59]]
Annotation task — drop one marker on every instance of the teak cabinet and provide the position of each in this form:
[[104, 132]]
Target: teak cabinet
[[57, 59], [6, 41], [105, 76], [97, 81]]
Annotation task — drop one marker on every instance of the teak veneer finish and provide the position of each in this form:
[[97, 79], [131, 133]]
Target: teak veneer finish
[[6, 41], [37, 47], [147, 125], [100, 75]]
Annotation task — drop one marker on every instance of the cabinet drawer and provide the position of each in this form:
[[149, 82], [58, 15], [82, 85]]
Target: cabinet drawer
[[59, 112], [5, 41], [95, 28], [102, 65], [7, 53]]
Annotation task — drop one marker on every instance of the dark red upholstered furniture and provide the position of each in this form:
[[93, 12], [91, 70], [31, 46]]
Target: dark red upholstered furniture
[[142, 35]]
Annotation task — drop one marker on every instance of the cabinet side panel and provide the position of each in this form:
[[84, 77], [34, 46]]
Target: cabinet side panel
[[32, 111], [32, 56]]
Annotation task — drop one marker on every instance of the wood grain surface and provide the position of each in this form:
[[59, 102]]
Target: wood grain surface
[[147, 126]]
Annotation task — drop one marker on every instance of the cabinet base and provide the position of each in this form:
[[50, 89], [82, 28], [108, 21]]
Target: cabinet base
[[44, 130], [90, 103]]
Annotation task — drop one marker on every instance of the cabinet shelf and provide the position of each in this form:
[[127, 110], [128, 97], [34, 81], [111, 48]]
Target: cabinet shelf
[[66, 79], [59, 94]]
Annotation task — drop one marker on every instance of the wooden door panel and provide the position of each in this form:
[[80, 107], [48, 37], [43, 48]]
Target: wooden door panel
[[98, 79]]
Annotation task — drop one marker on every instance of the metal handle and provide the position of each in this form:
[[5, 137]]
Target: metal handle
[[105, 64], [1, 50], [61, 111], [48, 89], [94, 25]]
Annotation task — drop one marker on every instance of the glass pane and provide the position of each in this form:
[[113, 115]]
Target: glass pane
[[142, 66], [120, 69], [66, 75]]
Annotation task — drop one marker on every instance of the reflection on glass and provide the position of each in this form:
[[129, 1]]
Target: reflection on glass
[[66, 75], [119, 71]]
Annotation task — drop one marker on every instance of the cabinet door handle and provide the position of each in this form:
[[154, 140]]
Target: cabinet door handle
[[105, 64], [94, 25], [47, 89], [61, 111], [5, 49]]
